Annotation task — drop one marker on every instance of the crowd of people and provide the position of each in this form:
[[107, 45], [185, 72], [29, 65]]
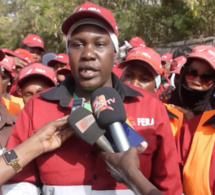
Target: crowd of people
[[169, 100]]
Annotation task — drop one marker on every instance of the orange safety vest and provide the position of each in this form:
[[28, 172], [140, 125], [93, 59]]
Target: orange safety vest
[[12, 107], [175, 122], [197, 166]]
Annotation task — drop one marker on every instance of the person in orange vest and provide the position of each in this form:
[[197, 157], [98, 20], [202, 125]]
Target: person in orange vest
[[195, 144]]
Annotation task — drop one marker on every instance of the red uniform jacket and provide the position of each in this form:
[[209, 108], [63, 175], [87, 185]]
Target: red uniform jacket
[[77, 163]]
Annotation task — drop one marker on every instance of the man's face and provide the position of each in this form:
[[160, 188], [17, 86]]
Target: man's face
[[91, 56]]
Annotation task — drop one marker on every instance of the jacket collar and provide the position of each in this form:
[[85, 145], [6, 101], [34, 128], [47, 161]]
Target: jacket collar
[[64, 92], [171, 114], [211, 120]]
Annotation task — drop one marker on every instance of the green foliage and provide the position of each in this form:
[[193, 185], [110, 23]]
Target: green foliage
[[172, 20]]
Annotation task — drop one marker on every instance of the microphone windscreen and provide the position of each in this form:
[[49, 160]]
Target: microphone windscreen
[[84, 125], [107, 107]]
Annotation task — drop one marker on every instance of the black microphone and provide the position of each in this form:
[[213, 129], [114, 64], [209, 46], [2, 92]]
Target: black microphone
[[109, 112], [84, 125]]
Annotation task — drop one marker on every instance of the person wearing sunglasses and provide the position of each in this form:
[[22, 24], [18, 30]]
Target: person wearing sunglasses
[[194, 93], [195, 140]]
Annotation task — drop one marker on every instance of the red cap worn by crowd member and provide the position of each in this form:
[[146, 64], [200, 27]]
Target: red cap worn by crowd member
[[177, 64], [36, 69], [64, 71], [90, 10], [20, 53], [1, 55], [24, 55], [206, 53], [166, 57], [201, 48], [61, 57], [8, 64], [32, 40], [137, 42], [147, 55], [7, 51]]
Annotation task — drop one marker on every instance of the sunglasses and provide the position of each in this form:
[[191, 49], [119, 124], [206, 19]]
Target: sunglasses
[[191, 73]]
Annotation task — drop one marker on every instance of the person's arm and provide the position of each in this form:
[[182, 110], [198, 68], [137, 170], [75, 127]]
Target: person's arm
[[47, 138], [124, 168]]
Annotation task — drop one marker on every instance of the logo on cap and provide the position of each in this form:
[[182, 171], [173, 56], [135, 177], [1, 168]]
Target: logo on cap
[[211, 53], [35, 38], [40, 70], [29, 71]]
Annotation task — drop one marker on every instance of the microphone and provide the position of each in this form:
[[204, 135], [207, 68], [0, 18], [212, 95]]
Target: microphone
[[85, 127], [109, 112]]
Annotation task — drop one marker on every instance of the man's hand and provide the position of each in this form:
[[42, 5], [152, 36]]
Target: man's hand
[[119, 164], [167, 93], [19, 62]]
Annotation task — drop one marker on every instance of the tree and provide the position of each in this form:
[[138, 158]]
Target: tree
[[161, 21]]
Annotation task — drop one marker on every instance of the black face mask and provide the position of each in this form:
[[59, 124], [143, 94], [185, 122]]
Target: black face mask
[[197, 101]]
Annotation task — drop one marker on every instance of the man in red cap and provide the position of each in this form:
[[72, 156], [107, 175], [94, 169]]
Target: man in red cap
[[35, 45], [61, 66], [76, 168]]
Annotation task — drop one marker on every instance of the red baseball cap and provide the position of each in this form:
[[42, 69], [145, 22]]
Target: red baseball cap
[[8, 63], [201, 48], [166, 57], [24, 55], [90, 10], [65, 71], [37, 69], [144, 54], [20, 53], [137, 42], [32, 40], [7, 51], [1, 55], [207, 55], [61, 57], [177, 64]]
